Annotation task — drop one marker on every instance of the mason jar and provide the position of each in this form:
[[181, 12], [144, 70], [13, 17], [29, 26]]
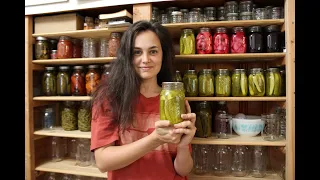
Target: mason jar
[[239, 83], [187, 42], [190, 81], [49, 82], [256, 82], [63, 81], [222, 83], [204, 120], [273, 83], [206, 83], [42, 50]]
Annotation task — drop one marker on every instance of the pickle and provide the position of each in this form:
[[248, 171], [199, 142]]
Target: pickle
[[239, 83], [204, 120], [273, 83], [199, 131], [277, 84], [256, 84], [223, 85], [206, 86], [244, 84]]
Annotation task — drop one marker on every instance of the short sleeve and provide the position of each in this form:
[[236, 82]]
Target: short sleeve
[[103, 130]]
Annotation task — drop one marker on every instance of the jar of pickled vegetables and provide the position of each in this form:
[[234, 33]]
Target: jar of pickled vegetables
[[78, 81], [65, 48], [63, 81], [42, 50], [204, 120], [190, 81], [273, 38], [221, 41], [114, 44], [172, 103], [256, 82], [49, 82], [204, 41], [177, 77], [206, 83], [69, 116], [77, 48], [187, 42], [273, 83], [238, 40], [239, 85], [92, 78], [84, 116], [223, 83]]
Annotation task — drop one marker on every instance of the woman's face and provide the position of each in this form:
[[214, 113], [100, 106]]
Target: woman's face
[[147, 55]]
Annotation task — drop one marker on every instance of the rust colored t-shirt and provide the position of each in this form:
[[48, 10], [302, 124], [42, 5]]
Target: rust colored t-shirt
[[155, 165]]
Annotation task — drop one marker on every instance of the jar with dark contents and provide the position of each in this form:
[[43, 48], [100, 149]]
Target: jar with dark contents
[[221, 41], [84, 116], [190, 81], [53, 43], [63, 81], [68, 113], [222, 121], [204, 120], [204, 41], [114, 44], [273, 38], [255, 40], [238, 40], [65, 48], [92, 78], [78, 81], [42, 48], [106, 71], [49, 82], [77, 48]]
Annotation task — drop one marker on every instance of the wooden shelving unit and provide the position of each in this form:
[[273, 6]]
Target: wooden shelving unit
[[143, 11]]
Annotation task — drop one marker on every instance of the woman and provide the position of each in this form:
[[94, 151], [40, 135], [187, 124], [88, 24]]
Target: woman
[[127, 137]]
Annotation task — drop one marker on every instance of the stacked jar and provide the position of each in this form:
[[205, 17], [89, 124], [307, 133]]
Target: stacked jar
[[245, 10]]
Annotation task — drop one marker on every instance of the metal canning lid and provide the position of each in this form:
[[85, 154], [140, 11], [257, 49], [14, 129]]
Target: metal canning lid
[[78, 67], [205, 29], [191, 71], [184, 10], [221, 8], [231, 2], [54, 51], [239, 70], [174, 13], [196, 9], [210, 8], [177, 85], [222, 71], [255, 29], [64, 67], [246, 14], [254, 70], [206, 71], [238, 28], [93, 66], [53, 41], [232, 14], [40, 38], [273, 70], [49, 68], [273, 28], [221, 29]]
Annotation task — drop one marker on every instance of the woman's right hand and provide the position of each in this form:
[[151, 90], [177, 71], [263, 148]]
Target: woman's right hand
[[164, 132]]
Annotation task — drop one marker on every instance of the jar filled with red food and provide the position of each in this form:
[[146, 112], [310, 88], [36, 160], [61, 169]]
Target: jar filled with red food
[[114, 44], [221, 41], [77, 48], [65, 48], [78, 81], [106, 71], [238, 40], [204, 41], [53, 54], [92, 78]]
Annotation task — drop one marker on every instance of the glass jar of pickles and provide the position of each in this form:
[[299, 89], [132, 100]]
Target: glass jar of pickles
[[63, 81], [84, 116], [69, 116], [239, 83], [273, 83], [190, 81], [223, 83], [206, 83], [256, 82], [187, 42], [204, 120], [172, 103], [42, 50], [49, 82], [177, 77]]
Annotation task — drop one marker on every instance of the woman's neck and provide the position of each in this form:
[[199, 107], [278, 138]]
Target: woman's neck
[[150, 87]]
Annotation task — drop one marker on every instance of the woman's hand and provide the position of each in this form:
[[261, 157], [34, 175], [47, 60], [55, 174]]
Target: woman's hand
[[164, 132], [187, 127]]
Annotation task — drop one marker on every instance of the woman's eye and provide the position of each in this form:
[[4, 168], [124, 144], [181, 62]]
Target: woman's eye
[[153, 52], [136, 52]]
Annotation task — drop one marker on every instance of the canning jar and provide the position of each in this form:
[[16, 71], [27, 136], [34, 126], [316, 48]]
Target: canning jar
[[57, 152], [259, 161], [65, 48], [84, 116], [106, 71], [206, 83], [49, 82], [63, 81], [49, 118], [69, 116], [204, 41], [221, 109], [238, 40], [255, 40], [221, 41], [276, 13], [201, 158], [239, 83], [103, 47], [232, 16], [72, 147], [83, 155], [77, 48], [260, 13], [220, 13], [42, 50], [78, 81], [114, 44], [210, 14], [53, 43], [185, 15], [176, 17], [273, 38], [245, 6], [204, 120], [239, 161], [223, 83], [164, 18], [194, 16], [177, 77], [53, 54], [256, 82], [231, 7], [190, 81], [88, 23], [222, 161], [169, 11], [172, 102], [273, 83], [245, 16], [92, 78], [223, 125], [155, 14], [187, 42]]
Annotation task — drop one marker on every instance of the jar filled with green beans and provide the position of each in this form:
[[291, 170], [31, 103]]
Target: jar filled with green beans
[[84, 116], [69, 120], [63, 81]]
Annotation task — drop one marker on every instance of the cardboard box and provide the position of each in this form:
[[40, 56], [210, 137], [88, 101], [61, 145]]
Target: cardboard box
[[58, 23]]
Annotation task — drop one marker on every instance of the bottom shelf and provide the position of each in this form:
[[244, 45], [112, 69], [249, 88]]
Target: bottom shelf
[[269, 176], [68, 166]]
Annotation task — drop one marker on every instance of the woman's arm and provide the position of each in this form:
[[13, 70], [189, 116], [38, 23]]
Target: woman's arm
[[112, 157], [183, 162]]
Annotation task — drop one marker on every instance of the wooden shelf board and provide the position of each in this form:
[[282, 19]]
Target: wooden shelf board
[[68, 166], [62, 98], [243, 57], [74, 61], [236, 98], [269, 176], [93, 33], [238, 140], [59, 132]]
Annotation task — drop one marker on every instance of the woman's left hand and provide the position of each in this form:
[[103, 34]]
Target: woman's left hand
[[186, 127]]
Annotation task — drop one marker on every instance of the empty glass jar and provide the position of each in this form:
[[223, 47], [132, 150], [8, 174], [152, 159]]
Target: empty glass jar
[[221, 164], [83, 156]]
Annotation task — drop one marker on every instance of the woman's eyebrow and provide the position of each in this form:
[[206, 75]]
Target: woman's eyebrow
[[152, 47]]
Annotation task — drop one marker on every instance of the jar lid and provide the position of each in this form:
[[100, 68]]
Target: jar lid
[[210, 8], [192, 71], [115, 34], [206, 71], [64, 67], [40, 38], [239, 70], [205, 28], [175, 13], [173, 8], [106, 65], [221, 8], [246, 14], [221, 29], [242, 2], [65, 38], [49, 68], [273, 70], [196, 9], [184, 10], [255, 29], [53, 41], [232, 14], [273, 28], [222, 71], [53, 51], [78, 67], [276, 8], [238, 28], [231, 3], [92, 66], [254, 70]]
